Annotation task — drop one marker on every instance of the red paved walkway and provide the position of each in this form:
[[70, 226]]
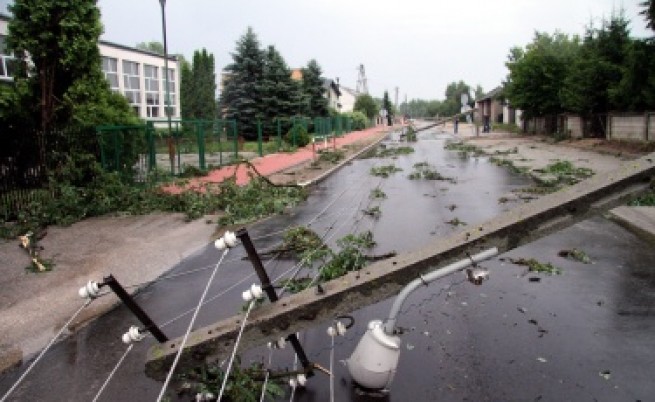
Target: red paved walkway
[[273, 163]]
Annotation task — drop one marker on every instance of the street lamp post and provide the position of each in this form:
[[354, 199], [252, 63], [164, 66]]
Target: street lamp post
[[171, 145]]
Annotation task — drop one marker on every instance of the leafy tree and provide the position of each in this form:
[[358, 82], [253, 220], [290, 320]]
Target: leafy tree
[[152, 46], [649, 13], [453, 102], [242, 93], [365, 104], [597, 69], [62, 84], [386, 104], [636, 90], [280, 93], [313, 90], [537, 73], [479, 92]]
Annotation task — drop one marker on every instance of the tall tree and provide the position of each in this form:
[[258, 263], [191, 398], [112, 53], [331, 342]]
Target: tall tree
[[313, 90], [649, 13], [60, 76], [537, 73], [452, 104], [204, 85], [241, 96], [366, 104], [187, 90], [636, 90], [280, 93], [597, 69], [386, 105], [152, 46]]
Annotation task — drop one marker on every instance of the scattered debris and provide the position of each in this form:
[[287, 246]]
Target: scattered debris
[[456, 222], [541, 360], [464, 148], [374, 212], [606, 374], [576, 255], [377, 193], [536, 266], [451, 207], [384, 171], [29, 242], [522, 309], [426, 172]]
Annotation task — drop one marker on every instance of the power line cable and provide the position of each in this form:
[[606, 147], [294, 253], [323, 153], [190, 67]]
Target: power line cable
[[43, 352], [120, 361], [188, 331]]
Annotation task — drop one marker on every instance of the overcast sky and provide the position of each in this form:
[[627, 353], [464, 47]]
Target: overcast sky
[[418, 46]]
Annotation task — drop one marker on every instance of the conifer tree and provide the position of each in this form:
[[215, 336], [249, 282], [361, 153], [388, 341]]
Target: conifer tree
[[315, 103], [241, 98], [280, 93]]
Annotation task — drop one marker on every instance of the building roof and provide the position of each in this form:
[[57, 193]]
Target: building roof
[[328, 82], [7, 18], [134, 49], [494, 93]]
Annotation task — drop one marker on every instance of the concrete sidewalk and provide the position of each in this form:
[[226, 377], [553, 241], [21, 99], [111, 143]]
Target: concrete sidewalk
[[273, 163], [639, 220]]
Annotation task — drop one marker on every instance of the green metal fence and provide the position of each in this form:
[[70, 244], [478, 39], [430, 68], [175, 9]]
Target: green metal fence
[[202, 144]]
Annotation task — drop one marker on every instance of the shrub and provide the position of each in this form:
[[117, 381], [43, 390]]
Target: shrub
[[358, 118], [298, 136]]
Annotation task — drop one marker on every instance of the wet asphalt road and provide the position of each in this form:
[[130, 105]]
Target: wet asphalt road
[[584, 335]]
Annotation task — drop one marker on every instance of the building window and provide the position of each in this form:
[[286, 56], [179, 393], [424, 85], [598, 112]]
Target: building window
[[152, 90], [8, 63], [171, 89], [110, 69], [132, 85]]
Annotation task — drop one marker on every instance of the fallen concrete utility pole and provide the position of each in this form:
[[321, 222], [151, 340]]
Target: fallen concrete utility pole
[[444, 120], [384, 279]]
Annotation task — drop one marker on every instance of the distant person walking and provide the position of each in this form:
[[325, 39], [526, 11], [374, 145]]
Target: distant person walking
[[456, 122]]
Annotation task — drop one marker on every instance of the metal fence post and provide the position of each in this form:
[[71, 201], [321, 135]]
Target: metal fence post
[[236, 139], [279, 134], [259, 138], [152, 154], [200, 133]]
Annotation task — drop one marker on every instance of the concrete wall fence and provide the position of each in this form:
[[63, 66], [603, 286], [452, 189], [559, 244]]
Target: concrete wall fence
[[631, 126], [614, 126]]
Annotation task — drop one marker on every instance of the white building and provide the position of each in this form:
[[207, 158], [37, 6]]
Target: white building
[[135, 73], [347, 99]]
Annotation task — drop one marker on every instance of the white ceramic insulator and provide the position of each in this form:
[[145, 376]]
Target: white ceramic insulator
[[205, 396], [256, 291], [293, 383], [246, 295], [89, 291], [332, 331], [341, 329], [230, 239], [281, 343], [302, 380], [220, 244], [132, 335]]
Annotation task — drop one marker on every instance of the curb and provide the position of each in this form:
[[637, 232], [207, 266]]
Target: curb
[[638, 220], [326, 174]]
